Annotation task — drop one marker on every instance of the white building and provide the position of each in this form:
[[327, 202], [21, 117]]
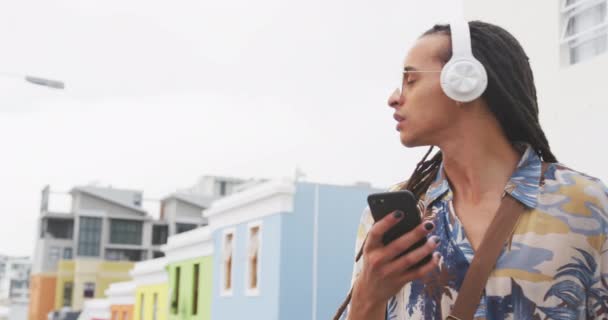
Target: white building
[[14, 286], [14, 278], [567, 43]]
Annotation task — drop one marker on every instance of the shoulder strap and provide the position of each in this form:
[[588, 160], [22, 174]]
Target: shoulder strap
[[485, 258]]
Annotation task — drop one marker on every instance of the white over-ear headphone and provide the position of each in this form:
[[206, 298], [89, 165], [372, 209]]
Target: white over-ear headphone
[[463, 78]]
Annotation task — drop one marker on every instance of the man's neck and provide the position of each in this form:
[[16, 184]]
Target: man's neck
[[479, 164]]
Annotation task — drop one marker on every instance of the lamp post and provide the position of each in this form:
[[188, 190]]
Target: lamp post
[[54, 84]]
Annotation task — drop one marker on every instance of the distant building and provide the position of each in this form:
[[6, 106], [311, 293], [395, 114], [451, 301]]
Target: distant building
[[105, 226], [14, 279], [14, 286]]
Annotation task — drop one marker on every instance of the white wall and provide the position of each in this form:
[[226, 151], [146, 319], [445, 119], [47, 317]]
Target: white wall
[[572, 100]]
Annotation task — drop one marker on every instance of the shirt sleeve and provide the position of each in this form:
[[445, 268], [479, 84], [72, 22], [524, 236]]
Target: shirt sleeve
[[597, 303], [364, 226]]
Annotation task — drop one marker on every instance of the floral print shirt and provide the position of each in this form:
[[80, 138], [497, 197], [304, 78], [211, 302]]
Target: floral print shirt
[[555, 266]]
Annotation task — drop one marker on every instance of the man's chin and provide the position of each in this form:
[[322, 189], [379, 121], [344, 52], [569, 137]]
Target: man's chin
[[408, 142]]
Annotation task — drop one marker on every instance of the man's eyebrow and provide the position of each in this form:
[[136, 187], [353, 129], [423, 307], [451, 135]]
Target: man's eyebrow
[[409, 68]]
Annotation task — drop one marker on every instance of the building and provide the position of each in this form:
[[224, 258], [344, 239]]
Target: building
[[14, 286], [190, 269], [122, 300], [284, 249], [96, 309], [14, 279], [107, 225], [152, 290], [80, 280], [567, 44]]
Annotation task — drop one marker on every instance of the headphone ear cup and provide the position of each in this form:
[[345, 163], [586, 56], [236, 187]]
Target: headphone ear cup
[[464, 79]]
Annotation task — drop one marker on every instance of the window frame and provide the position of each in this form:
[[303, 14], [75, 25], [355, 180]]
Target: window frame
[[224, 292], [196, 274], [249, 291], [571, 42]]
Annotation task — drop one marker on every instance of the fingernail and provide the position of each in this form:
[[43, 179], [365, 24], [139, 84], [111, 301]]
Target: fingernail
[[436, 239], [398, 214], [429, 226], [437, 255]]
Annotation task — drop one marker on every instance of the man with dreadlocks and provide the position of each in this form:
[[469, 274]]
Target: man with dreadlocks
[[555, 264]]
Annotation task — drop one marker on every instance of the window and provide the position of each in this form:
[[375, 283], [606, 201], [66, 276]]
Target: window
[[67, 253], [175, 298], [54, 254], [155, 307], [133, 255], [159, 234], [89, 290], [195, 286], [184, 227], [89, 236], [59, 228], [228, 251], [158, 254], [222, 188], [141, 306], [253, 259], [125, 231], [67, 294], [584, 29]]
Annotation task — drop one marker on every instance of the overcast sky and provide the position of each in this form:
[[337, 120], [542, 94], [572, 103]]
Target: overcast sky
[[161, 92]]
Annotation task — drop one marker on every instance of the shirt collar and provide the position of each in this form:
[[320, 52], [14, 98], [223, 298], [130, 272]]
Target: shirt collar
[[524, 184]]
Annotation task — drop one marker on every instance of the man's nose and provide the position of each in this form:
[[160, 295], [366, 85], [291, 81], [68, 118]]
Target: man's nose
[[395, 99]]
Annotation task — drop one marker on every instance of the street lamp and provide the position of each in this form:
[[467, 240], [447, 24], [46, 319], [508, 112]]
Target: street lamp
[[55, 84]]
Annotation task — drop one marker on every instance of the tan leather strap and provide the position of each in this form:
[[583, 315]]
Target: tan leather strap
[[486, 256]]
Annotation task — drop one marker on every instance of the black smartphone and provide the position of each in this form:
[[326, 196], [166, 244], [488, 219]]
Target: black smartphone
[[384, 203]]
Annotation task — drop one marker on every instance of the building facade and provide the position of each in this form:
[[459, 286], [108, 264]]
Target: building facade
[[190, 270], [284, 249], [151, 291], [111, 225], [14, 285], [82, 279]]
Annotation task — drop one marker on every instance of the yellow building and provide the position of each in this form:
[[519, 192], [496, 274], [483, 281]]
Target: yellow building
[[82, 279], [151, 293]]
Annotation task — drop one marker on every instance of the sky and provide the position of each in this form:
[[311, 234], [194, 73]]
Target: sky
[[159, 93]]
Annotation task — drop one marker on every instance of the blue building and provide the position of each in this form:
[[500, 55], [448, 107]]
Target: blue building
[[284, 249]]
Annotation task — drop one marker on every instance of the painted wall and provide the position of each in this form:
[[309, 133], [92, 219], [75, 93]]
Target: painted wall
[[239, 305], [313, 287], [185, 304], [65, 273], [102, 273], [42, 296], [144, 302], [340, 210], [122, 312]]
